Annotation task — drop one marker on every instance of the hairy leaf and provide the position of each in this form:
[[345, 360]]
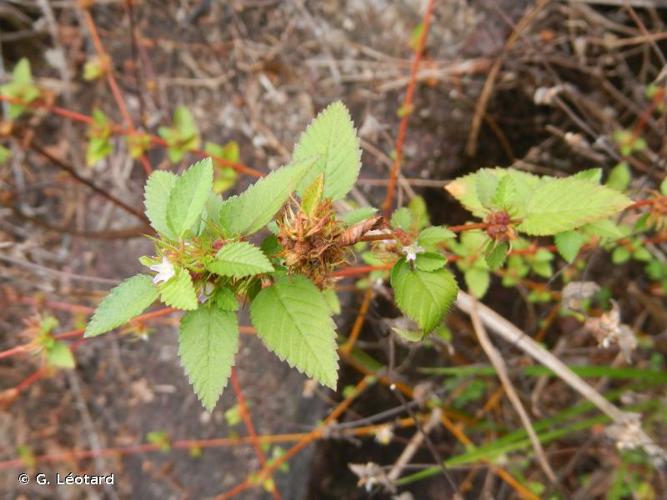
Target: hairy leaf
[[253, 209], [240, 259], [124, 302], [207, 343], [559, 205], [293, 320], [188, 196], [156, 197], [568, 244], [423, 296], [179, 292], [332, 139]]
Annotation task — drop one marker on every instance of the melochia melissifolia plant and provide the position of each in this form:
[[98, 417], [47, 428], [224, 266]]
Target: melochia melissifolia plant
[[207, 264]]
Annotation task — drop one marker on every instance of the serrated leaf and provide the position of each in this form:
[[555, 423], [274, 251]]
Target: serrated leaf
[[564, 204], [124, 302], [429, 261], [420, 218], [423, 296], [590, 175], [332, 139], [293, 320], [568, 244], [60, 355], [156, 197], [179, 292], [464, 189], [207, 343], [604, 228], [331, 298], [312, 196], [432, 236], [240, 259], [188, 196], [253, 209], [225, 299]]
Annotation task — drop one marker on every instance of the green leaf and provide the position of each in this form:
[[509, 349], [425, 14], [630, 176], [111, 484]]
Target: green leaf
[[663, 187], [178, 291], [97, 149], [496, 254], [5, 154], [293, 320], [124, 302], [477, 280], [486, 184], [429, 261], [423, 296], [253, 209], [604, 228], [60, 355], [619, 177], [21, 73], [357, 215], [465, 190], [590, 175], [568, 244], [620, 255], [417, 206], [240, 259], [564, 204], [402, 218], [332, 139], [432, 236], [156, 197], [312, 196], [331, 298], [188, 197], [207, 343], [225, 299]]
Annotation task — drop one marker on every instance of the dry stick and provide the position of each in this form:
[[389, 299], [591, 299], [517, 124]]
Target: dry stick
[[407, 104], [414, 444], [358, 322], [487, 90], [501, 368], [247, 421], [111, 80], [119, 130], [72, 172], [496, 323]]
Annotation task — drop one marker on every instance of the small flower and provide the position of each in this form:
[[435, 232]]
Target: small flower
[[411, 252], [384, 434], [165, 271]]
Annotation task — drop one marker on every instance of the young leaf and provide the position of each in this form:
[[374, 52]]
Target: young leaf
[[568, 244], [179, 292], [312, 196], [156, 197], [432, 236], [560, 205], [124, 302], [423, 296], [332, 139], [663, 187], [477, 280], [188, 197], [619, 177], [240, 259], [225, 299], [402, 218], [293, 320], [357, 215], [253, 209], [429, 261], [496, 254], [207, 343], [60, 355]]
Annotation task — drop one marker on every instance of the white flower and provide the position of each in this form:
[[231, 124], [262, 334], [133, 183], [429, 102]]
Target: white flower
[[411, 252], [165, 271]]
